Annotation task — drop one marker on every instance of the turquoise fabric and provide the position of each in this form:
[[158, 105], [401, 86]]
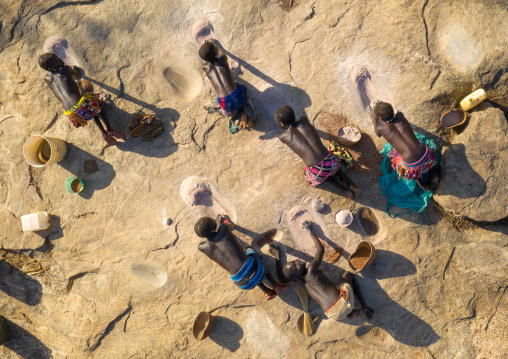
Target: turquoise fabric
[[403, 193]]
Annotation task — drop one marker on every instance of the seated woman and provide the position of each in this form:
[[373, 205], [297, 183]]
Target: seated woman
[[231, 96], [337, 302], [411, 158], [321, 165], [79, 106]]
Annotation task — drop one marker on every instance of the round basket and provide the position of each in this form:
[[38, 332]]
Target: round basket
[[203, 325], [366, 252]]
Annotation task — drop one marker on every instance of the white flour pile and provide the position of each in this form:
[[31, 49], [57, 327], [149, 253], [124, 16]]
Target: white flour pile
[[197, 193], [60, 47], [202, 30], [301, 238]]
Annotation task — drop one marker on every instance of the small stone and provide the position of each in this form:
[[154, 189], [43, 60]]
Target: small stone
[[169, 222], [318, 205]]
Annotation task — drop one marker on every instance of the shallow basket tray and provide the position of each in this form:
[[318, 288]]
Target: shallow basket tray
[[203, 325], [363, 244]]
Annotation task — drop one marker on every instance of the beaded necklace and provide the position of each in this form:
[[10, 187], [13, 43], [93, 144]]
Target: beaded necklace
[[389, 121], [56, 69]]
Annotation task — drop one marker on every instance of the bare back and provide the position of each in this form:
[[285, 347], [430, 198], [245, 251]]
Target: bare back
[[220, 75], [320, 288], [400, 135], [304, 140], [224, 249], [64, 86]]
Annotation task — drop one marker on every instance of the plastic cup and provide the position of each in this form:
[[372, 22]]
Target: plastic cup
[[75, 185], [40, 151]]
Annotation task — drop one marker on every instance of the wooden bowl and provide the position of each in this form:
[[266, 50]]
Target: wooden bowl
[[346, 141], [453, 118], [367, 249], [203, 325]]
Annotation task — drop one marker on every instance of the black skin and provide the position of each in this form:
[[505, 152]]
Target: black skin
[[221, 77], [320, 288], [401, 136], [224, 249], [304, 140], [63, 84]]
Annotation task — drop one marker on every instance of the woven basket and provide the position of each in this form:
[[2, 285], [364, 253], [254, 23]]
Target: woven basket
[[372, 255]]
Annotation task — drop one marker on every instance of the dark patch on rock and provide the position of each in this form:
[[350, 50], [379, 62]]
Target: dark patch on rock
[[288, 5], [90, 166]]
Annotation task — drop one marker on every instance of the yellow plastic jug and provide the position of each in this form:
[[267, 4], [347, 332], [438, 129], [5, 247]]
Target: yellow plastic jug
[[473, 100]]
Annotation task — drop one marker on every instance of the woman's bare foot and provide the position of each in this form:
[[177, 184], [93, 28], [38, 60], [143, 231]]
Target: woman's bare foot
[[116, 134], [280, 288], [110, 140], [270, 294]]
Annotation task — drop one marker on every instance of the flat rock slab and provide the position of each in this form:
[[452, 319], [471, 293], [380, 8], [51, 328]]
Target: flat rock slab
[[475, 171]]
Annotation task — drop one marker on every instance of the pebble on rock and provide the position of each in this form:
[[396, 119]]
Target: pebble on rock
[[318, 205]]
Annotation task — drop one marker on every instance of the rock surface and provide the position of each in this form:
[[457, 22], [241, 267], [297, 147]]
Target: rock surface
[[475, 168], [121, 281]]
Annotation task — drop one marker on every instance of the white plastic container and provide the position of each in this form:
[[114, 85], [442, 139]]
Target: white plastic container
[[473, 100], [35, 221], [40, 151]]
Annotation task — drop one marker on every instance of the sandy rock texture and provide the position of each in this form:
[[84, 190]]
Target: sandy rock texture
[[120, 273], [474, 168]]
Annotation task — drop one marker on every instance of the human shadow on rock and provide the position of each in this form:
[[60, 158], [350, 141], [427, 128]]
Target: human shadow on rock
[[163, 145], [25, 344], [226, 333], [18, 285], [500, 226], [74, 162], [468, 183], [268, 100], [389, 264], [404, 326]]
